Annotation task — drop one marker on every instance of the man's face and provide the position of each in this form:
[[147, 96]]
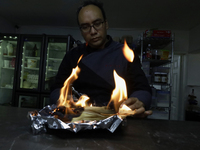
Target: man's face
[[90, 15]]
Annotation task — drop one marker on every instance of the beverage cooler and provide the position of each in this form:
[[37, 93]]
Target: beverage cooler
[[9, 44], [39, 60]]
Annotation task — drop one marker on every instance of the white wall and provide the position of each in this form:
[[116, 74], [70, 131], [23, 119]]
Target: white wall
[[193, 70], [193, 75], [193, 63], [194, 39], [6, 27], [181, 41]]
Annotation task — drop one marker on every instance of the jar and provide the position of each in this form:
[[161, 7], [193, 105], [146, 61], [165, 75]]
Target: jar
[[148, 52], [157, 77], [164, 77], [155, 54]]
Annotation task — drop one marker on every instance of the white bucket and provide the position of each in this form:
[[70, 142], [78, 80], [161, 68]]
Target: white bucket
[[32, 63]]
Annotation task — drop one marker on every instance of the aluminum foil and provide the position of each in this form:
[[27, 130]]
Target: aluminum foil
[[44, 118]]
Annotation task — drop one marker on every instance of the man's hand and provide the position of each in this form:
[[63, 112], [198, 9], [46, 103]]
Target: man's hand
[[137, 105]]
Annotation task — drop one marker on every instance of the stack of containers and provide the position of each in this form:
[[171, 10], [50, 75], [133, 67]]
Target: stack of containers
[[161, 77]]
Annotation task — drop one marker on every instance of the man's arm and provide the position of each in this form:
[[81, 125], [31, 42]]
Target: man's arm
[[138, 106], [138, 89], [143, 96]]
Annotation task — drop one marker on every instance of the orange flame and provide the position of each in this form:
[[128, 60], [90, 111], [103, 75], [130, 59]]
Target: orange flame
[[82, 101], [128, 53], [119, 94], [79, 59], [126, 110], [64, 92], [65, 95], [125, 107], [120, 91]]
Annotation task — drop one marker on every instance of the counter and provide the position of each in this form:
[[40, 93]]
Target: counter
[[138, 134]]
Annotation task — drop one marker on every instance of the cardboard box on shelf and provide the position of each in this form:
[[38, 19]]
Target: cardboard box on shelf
[[164, 54]]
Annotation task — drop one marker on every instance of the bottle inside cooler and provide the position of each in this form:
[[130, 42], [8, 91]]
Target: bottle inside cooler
[[149, 52]]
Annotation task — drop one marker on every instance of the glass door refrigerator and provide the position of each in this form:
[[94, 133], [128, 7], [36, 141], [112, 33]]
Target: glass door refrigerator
[[29, 77], [55, 50], [8, 53]]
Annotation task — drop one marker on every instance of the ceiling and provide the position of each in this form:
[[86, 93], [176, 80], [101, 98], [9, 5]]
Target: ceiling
[[161, 14]]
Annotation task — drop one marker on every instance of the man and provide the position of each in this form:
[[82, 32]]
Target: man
[[101, 55]]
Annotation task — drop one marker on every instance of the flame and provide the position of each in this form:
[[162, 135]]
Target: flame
[[65, 93], [119, 94], [125, 107], [82, 101], [79, 59], [64, 100], [128, 53], [126, 110]]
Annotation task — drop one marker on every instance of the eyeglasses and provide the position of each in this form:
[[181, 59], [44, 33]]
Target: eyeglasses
[[87, 28]]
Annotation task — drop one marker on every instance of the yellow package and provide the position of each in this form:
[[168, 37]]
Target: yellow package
[[164, 55]]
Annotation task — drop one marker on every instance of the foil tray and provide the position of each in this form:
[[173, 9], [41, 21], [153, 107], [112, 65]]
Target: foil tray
[[43, 119]]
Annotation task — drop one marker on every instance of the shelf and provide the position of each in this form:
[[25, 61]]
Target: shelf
[[30, 57], [8, 56], [57, 59], [163, 105], [10, 88], [193, 85], [154, 63], [161, 84], [156, 43], [10, 39], [8, 68], [57, 50], [52, 70], [160, 70], [31, 68]]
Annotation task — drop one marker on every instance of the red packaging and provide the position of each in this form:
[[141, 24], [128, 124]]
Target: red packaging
[[13, 63], [158, 33]]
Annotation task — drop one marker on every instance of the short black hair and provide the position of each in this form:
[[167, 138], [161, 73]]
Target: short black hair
[[91, 2]]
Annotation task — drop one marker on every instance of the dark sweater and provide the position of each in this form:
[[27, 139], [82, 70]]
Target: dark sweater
[[96, 76]]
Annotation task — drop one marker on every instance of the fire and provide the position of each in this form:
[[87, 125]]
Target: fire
[[82, 101], [64, 99], [80, 59], [125, 107], [128, 53], [119, 94], [120, 91], [65, 94], [126, 110]]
